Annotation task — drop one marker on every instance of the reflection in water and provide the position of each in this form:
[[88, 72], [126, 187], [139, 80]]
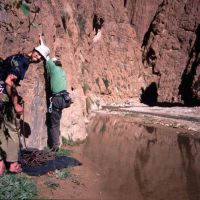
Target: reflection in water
[[188, 162], [142, 162]]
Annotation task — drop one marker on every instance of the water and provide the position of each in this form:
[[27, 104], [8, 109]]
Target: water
[[143, 162]]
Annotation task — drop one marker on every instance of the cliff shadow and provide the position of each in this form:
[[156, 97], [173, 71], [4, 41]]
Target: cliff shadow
[[48, 95], [187, 80], [149, 95]]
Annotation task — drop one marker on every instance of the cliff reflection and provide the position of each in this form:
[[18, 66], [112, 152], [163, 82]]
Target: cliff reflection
[[143, 162]]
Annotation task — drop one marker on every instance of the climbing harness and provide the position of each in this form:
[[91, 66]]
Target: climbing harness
[[50, 105], [65, 96]]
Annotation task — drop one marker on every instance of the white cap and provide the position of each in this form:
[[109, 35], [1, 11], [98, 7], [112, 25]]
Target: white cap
[[43, 50]]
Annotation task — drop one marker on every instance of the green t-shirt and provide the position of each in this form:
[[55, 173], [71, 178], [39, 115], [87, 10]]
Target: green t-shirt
[[57, 77]]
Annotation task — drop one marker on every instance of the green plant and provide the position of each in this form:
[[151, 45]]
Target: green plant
[[63, 152], [106, 82], [17, 187], [85, 87], [22, 5], [97, 81], [66, 174], [66, 141], [52, 185], [63, 173]]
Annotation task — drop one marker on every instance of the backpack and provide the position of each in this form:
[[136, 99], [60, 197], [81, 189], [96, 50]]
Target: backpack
[[4, 68]]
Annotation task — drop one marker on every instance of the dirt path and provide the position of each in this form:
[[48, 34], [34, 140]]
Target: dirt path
[[84, 184]]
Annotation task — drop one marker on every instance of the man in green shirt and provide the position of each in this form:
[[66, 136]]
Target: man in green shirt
[[59, 98], [58, 101]]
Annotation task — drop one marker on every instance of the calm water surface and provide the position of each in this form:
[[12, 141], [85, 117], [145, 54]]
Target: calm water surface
[[143, 162]]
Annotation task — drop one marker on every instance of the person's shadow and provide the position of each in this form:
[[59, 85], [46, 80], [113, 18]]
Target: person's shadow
[[25, 132], [25, 129]]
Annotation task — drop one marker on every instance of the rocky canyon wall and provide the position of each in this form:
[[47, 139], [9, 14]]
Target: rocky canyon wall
[[98, 49], [170, 48], [111, 50]]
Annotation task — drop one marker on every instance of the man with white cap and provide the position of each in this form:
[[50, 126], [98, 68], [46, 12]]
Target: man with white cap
[[59, 98], [12, 71]]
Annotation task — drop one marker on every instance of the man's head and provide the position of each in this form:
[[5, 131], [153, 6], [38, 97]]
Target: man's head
[[35, 56], [38, 53]]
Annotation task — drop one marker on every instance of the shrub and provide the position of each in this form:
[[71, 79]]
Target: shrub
[[52, 185], [66, 141], [17, 186], [85, 87], [106, 82]]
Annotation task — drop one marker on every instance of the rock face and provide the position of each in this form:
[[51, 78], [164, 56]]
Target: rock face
[[171, 51], [141, 13], [99, 44]]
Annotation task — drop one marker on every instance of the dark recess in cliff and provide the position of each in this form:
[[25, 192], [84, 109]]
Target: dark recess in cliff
[[125, 2], [186, 90], [149, 95]]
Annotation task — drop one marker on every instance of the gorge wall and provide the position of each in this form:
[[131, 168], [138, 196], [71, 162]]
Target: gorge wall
[[169, 35], [112, 51]]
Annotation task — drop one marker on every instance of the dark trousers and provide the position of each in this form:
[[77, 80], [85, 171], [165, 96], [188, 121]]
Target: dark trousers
[[58, 103], [54, 128]]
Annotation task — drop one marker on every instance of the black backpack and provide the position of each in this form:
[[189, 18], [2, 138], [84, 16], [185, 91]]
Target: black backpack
[[4, 68]]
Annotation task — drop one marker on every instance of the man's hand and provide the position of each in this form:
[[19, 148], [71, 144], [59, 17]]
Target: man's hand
[[12, 92], [41, 39], [18, 108]]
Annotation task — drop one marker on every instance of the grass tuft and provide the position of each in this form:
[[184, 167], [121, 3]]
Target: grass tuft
[[52, 185], [63, 152], [17, 186], [63, 173], [68, 142]]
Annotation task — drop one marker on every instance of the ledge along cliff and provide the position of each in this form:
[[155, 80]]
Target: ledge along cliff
[[112, 51]]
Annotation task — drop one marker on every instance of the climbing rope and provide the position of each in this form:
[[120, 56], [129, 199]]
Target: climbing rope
[[23, 128], [33, 157], [36, 157]]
